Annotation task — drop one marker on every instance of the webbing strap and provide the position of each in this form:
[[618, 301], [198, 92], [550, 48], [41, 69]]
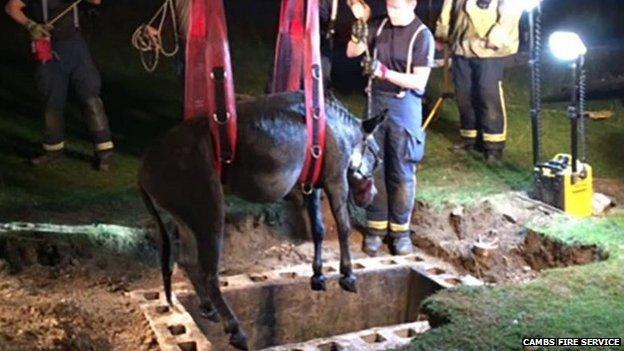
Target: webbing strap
[[209, 85], [314, 101], [288, 64]]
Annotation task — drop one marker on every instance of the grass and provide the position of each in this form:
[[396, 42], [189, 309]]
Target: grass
[[575, 301]]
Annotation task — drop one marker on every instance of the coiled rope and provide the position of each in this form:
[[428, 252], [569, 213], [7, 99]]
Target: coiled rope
[[150, 43]]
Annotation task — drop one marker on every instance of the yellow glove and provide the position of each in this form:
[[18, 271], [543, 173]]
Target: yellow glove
[[38, 30]]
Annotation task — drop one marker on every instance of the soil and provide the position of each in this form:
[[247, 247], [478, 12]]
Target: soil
[[489, 240], [71, 296]]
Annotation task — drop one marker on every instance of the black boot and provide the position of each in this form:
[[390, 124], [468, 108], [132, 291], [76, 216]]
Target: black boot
[[48, 158], [401, 244], [373, 240], [494, 157], [463, 146], [103, 160]]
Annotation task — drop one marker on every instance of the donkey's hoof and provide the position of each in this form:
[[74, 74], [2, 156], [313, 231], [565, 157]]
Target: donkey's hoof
[[349, 283], [239, 341], [318, 283], [209, 312]]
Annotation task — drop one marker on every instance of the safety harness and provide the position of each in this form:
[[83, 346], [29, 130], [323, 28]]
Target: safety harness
[[209, 84]]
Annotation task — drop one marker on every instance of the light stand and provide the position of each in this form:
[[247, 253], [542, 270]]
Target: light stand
[[576, 112], [566, 181]]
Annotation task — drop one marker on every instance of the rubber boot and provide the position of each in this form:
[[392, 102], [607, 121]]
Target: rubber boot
[[401, 244], [103, 160], [463, 146], [48, 158], [373, 240], [494, 157]]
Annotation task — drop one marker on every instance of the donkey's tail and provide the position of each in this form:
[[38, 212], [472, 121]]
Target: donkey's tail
[[165, 247]]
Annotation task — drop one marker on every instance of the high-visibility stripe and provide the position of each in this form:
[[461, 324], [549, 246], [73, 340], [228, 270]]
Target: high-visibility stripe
[[468, 133], [104, 146], [54, 147], [399, 227], [497, 138], [377, 225]]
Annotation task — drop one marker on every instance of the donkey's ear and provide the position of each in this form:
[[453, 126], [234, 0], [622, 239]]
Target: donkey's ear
[[370, 125]]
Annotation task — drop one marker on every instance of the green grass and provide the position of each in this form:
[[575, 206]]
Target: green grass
[[575, 301]]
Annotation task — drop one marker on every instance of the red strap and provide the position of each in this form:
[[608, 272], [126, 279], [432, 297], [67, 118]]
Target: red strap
[[209, 84], [288, 63], [314, 100]]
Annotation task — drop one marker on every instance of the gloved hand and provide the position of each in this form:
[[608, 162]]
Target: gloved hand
[[38, 30], [374, 68], [359, 31]]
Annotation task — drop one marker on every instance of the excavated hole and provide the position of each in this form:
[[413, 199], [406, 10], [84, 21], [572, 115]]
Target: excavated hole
[[289, 312], [517, 254]]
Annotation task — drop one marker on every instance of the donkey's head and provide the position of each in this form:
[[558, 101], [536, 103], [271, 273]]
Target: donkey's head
[[363, 162]]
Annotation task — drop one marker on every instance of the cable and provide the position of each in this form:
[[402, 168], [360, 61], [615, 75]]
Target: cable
[[536, 81], [581, 112]]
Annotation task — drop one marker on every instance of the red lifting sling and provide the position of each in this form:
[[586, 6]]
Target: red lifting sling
[[209, 85], [287, 75], [314, 100], [289, 49]]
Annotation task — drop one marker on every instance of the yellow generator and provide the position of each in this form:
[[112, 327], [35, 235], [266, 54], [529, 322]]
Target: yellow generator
[[563, 186]]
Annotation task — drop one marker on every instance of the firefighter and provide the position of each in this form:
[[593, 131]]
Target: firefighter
[[70, 64], [480, 34], [402, 56]]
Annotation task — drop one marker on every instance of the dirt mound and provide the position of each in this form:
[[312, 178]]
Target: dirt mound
[[489, 239]]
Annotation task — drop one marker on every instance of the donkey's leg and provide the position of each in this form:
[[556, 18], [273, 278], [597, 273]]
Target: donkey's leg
[[185, 253], [338, 194], [209, 234], [313, 205], [198, 279]]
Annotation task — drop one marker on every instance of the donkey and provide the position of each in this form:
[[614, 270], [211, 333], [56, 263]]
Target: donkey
[[178, 176]]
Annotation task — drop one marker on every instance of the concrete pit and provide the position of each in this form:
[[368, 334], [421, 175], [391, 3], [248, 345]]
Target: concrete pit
[[279, 311]]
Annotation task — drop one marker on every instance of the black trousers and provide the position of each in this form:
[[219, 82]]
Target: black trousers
[[479, 93], [71, 66]]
